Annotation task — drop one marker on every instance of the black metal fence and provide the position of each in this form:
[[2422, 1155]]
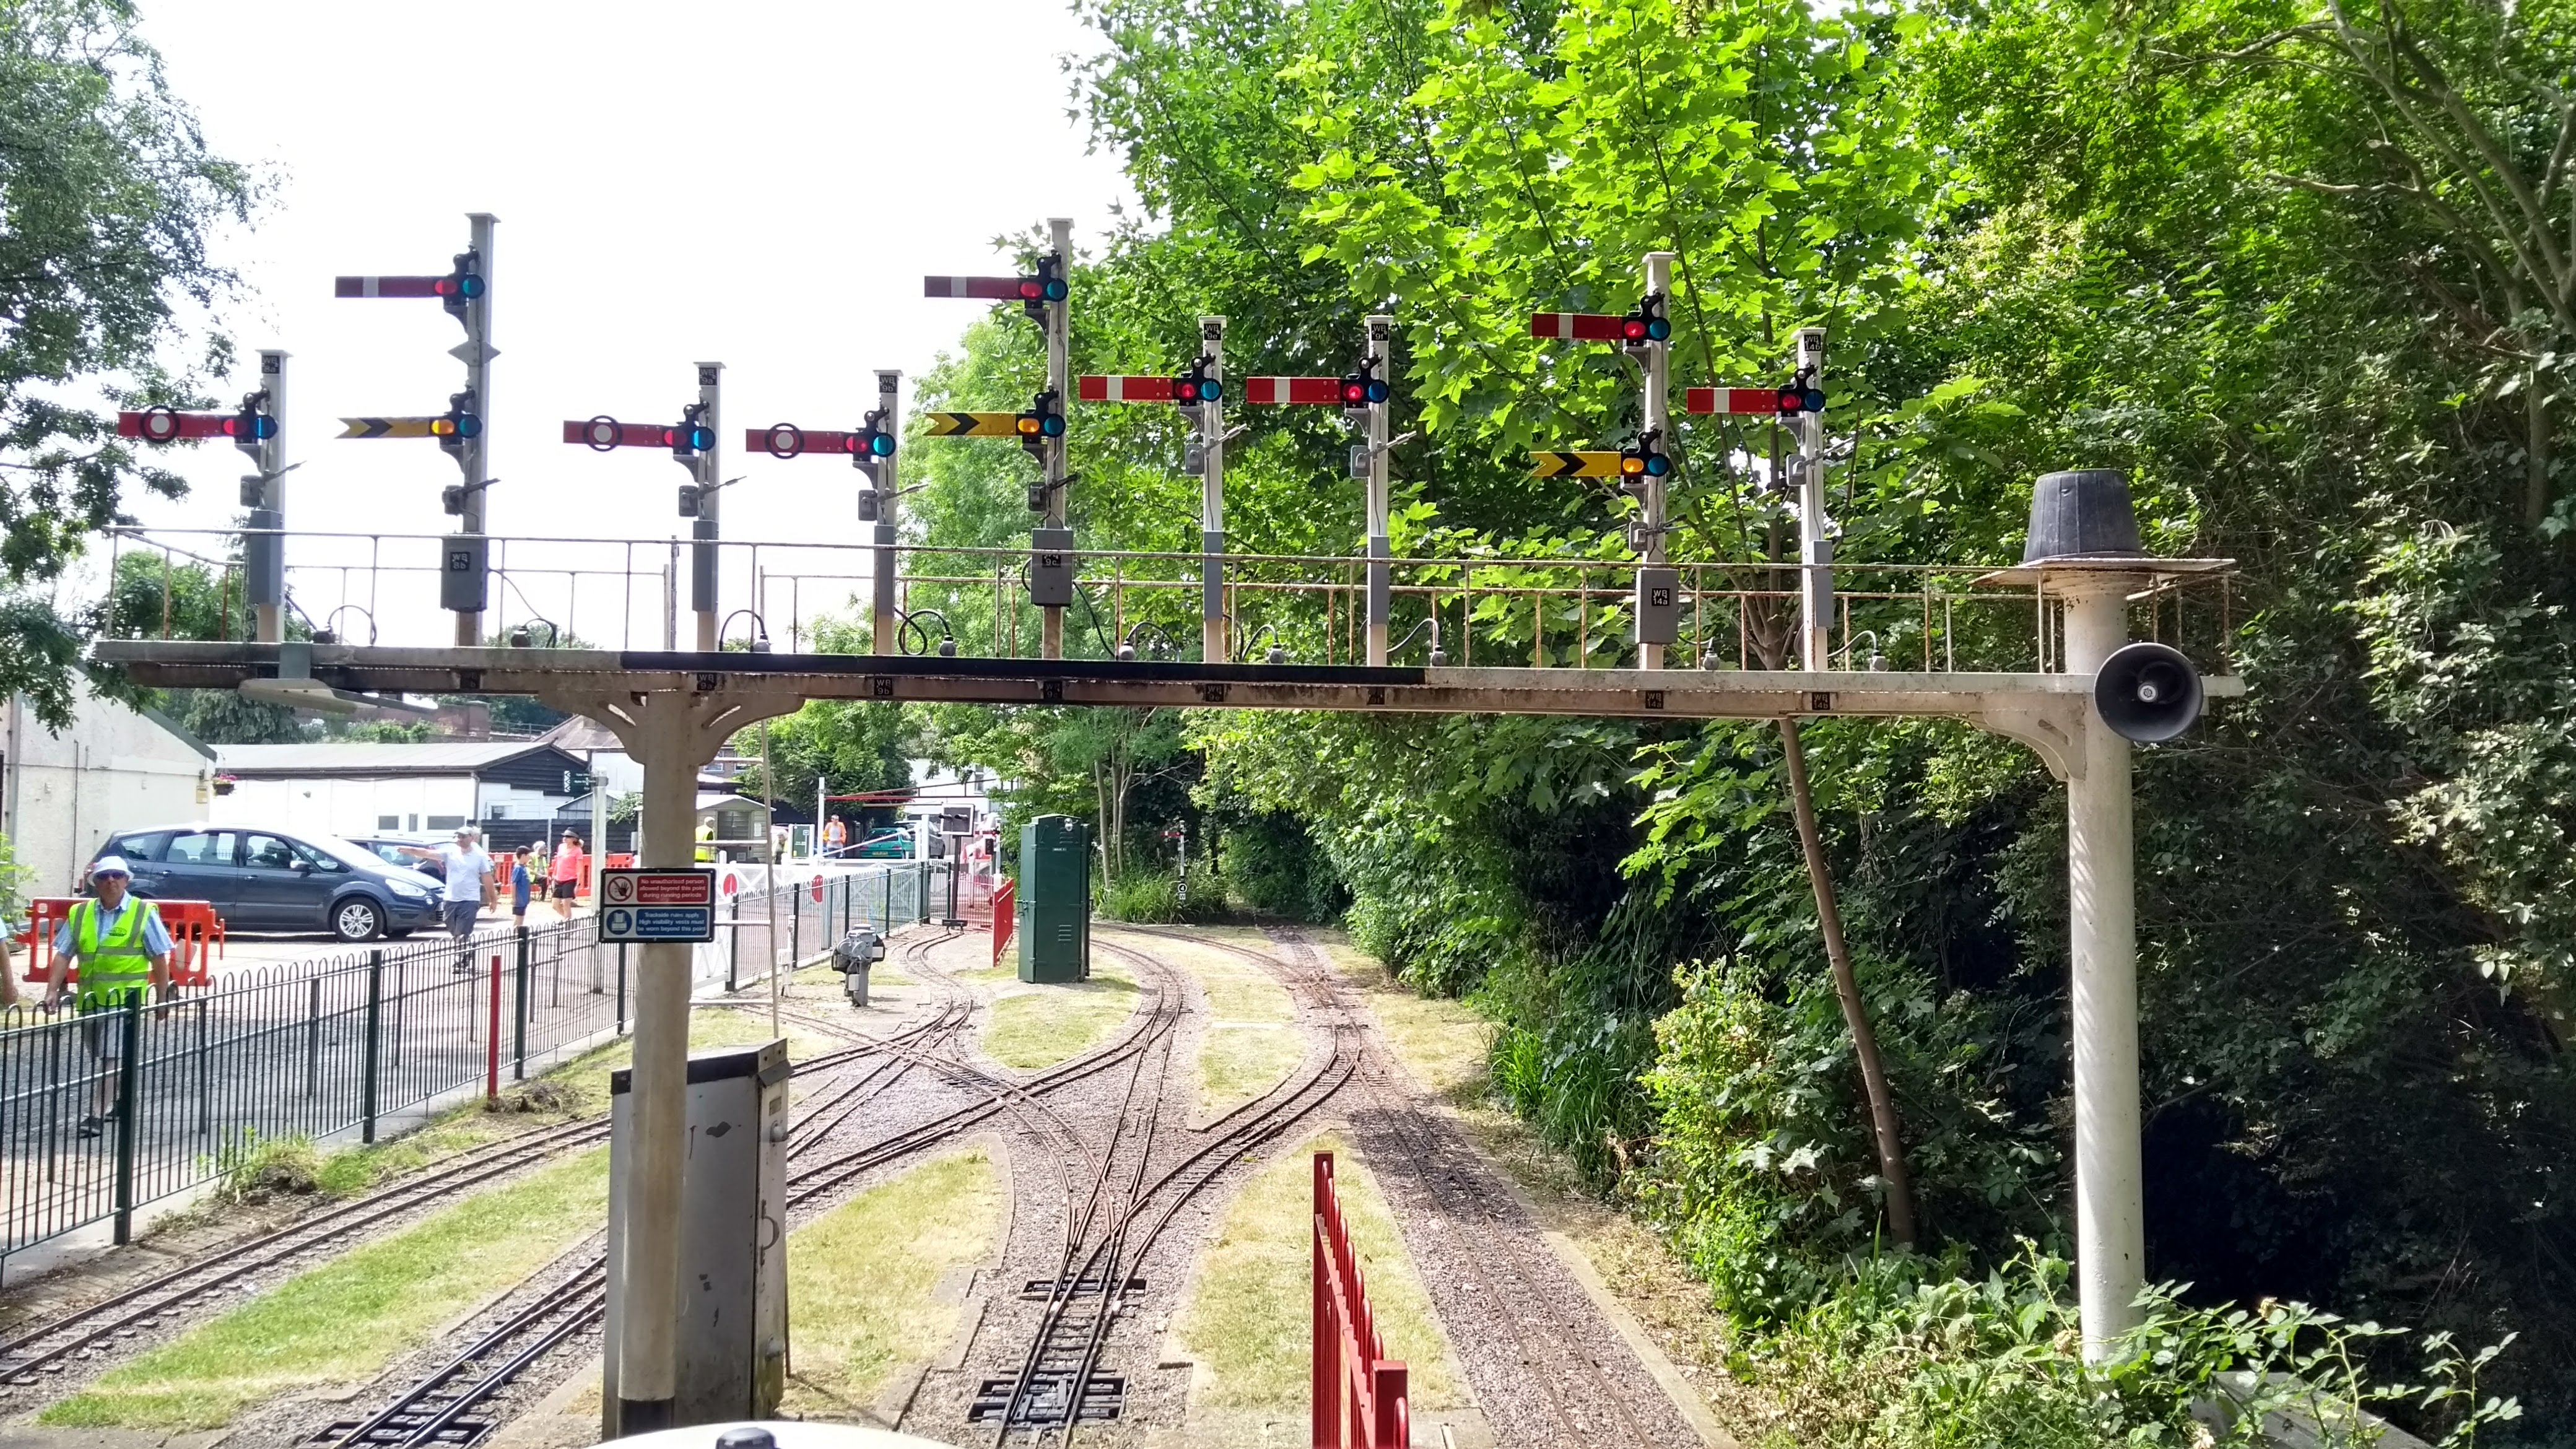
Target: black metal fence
[[340, 1044]]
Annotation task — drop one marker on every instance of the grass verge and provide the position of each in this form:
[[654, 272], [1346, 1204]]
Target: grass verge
[[862, 1280], [1443, 1042], [344, 1321], [1039, 1026], [1246, 1321]]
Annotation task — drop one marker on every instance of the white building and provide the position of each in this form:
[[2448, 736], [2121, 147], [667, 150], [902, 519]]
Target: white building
[[511, 789], [115, 768]]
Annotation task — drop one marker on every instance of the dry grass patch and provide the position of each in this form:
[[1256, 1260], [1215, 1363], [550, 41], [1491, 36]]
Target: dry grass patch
[[1251, 1043], [1038, 1026], [861, 1279], [1239, 1063], [344, 1321], [1246, 1322]]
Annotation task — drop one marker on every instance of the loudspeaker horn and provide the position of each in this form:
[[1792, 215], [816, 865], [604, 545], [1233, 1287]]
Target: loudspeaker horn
[[2148, 693]]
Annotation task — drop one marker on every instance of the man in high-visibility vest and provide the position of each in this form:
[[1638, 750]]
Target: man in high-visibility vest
[[124, 954]]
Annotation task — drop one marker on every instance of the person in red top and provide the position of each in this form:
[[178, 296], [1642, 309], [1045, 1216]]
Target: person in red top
[[566, 874]]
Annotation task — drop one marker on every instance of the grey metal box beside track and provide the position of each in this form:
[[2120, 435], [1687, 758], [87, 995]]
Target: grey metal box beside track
[[1054, 909], [1051, 566], [732, 1340]]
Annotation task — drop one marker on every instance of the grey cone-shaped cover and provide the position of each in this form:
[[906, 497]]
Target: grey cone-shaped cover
[[2082, 513]]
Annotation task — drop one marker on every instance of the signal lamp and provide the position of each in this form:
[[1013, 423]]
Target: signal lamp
[[1647, 323]]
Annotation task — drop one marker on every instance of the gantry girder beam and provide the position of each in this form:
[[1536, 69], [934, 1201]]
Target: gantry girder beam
[[2045, 711]]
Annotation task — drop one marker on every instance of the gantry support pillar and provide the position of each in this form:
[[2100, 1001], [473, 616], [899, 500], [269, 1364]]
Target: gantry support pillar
[[2102, 923], [672, 734]]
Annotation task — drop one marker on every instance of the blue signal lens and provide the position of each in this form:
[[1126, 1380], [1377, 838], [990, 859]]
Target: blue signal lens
[[1055, 289], [701, 439], [881, 445], [1813, 399], [1657, 465], [1377, 391], [1051, 425], [1211, 390], [1658, 329]]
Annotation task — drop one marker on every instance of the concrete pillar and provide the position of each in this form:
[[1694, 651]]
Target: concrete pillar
[[672, 750], [2101, 857]]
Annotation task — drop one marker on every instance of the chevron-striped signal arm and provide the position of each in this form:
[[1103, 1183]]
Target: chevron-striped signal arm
[[1586, 464], [610, 433], [997, 289], [162, 425], [1094, 388], [385, 286], [1576, 326], [1316, 390], [973, 425], [1758, 401], [786, 440], [387, 427]]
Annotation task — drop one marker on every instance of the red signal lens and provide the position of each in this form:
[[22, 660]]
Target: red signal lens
[[1353, 393], [1031, 289], [1633, 328], [670, 437], [232, 427]]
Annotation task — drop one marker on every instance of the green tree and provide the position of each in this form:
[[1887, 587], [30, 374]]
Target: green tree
[[112, 198]]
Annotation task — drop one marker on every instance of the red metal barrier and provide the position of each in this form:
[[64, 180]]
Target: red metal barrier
[[1005, 913], [492, 1046], [1359, 1391], [196, 938]]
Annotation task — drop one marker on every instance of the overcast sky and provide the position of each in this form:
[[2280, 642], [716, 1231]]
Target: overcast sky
[[762, 183]]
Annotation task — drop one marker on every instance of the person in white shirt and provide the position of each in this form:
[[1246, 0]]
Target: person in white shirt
[[467, 867]]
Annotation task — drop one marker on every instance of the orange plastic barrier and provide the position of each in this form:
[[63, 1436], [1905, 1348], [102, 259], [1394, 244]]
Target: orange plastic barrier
[[196, 938], [1359, 1391]]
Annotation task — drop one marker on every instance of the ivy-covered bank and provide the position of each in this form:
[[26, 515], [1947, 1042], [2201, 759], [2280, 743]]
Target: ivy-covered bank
[[2305, 273]]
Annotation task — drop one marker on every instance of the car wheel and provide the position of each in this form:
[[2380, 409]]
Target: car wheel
[[357, 919]]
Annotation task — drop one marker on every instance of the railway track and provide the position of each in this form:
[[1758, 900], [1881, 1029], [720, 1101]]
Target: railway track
[[33, 1353], [1058, 1386], [1519, 1289], [444, 1406]]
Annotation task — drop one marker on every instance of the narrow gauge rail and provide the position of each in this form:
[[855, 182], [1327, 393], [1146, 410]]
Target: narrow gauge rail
[[1439, 1162], [1058, 1370], [32, 1351], [435, 1408]]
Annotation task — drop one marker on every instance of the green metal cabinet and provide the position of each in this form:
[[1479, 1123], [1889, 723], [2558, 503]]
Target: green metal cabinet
[[1054, 924]]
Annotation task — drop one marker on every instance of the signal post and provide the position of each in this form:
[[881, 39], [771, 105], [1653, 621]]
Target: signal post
[[885, 432], [258, 428], [1377, 339], [1209, 392], [1043, 295], [466, 294]]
